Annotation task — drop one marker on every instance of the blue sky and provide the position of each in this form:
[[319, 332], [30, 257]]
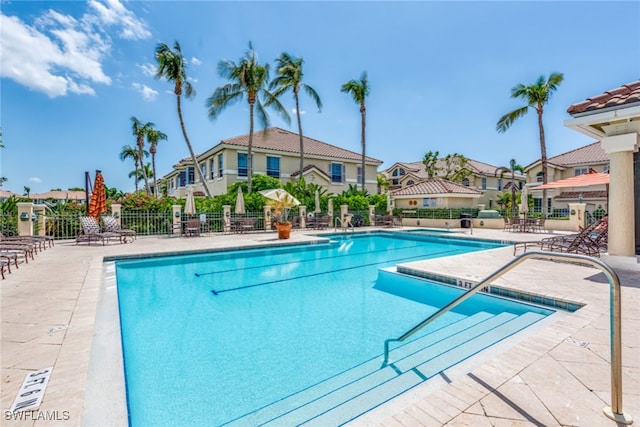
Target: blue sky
[[74, 72]]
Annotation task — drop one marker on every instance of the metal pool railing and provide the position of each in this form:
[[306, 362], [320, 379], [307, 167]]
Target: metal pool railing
[[613, 412]]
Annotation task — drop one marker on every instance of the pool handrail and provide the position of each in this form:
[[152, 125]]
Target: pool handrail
[[613, 412]]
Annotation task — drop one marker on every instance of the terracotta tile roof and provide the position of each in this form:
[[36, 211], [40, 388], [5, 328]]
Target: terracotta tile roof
[[592, 153], [435, 186], [278, 139], [418, 169], [585, 195], [623, 95], [310, 167]]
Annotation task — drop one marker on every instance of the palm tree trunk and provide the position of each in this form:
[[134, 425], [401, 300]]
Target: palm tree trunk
[[543, 161], [193, 156], [141, 155], [152, 150], [250, 147], [363, 111], [300, 135]]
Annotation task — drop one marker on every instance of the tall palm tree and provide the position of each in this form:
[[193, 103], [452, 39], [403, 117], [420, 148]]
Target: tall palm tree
[[139, 173], [171, 65], [536, 96], [247, 77], [153, 136], [129, 152], [513, 168], [289, 70], [359, 90], [140, 130]]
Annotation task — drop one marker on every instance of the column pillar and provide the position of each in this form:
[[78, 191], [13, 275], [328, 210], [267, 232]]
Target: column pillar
[[577, 216], [25, 213], [303, 216], [226, 218], [621, 209], [266, 210], [116, 212], [372, 214], [176, 218]]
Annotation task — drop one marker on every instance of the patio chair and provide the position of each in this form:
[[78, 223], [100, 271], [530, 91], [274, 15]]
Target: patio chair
[[111, 225], [90, 232], [323, 222], [192, 227], [590, 241], [42, 241], [507, 224]]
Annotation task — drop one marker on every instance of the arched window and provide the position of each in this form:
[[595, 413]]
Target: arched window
[[465, 182], [410, 182], [395, 172], [402, 172]]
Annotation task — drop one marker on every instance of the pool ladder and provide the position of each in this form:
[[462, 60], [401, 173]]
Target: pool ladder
[[345, 223], [613, 412]]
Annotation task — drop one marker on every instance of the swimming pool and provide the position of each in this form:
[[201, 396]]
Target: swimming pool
[[286, 335]]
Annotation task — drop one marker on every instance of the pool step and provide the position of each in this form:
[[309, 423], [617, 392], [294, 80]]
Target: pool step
[[356, 391]]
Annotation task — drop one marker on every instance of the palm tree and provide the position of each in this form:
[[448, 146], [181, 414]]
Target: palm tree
[[140, 130], [247, 77], [171, 64], [513, 168], [289, 70], [139, 173], [153, 136], [359, 90], [27, 191], [536, 96], [129, 152]]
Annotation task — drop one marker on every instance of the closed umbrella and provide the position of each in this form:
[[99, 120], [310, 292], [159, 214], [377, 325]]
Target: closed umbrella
[[240, 210], [98, 203], [524, 201], [190, 205], [317, 202]]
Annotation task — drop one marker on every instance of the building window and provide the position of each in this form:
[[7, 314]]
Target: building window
[[539, 177], [484, 182], [336, 170], [203, 168], [220, 169], [402, 172], [499, 184], [360, 175], [243, 169], [212, 168], [581, 171], [410, 182], [394, 182], [191, 175], [273, 166], [465, 182], [605, 169]]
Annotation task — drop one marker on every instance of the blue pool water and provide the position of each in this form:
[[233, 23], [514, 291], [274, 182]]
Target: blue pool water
[[210, 338]]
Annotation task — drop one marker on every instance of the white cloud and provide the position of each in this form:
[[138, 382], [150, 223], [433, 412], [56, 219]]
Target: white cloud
[[195, 61], [148, 69], [35, 180], [302, 112], [59, 54], [147, 93]]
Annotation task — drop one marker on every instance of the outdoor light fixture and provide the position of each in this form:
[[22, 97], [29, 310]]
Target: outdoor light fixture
[[116, 215], [34, 217], [24, 216], [177, 214], [227, 214]]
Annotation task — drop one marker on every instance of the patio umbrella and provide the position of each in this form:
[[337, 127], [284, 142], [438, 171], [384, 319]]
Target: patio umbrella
[[279, 194], [317, 202], [584, 180], [190, 205], [240, 210], [98, 203], [524, 201]]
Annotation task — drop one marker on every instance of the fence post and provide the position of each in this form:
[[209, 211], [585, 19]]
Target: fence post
[[116, 212], [25, 214], [267, 217], [303, 216]]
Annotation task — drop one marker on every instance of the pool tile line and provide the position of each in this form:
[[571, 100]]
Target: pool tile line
[[519, 295]]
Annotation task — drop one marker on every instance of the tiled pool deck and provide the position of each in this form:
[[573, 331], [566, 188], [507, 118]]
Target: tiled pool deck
[[557, 374]]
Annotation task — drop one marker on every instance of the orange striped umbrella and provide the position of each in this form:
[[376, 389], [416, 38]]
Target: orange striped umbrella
[[98, 203]]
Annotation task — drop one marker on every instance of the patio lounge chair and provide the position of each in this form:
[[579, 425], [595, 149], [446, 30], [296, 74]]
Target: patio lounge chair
[[111, 225], [90, 231], [590, 241]]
